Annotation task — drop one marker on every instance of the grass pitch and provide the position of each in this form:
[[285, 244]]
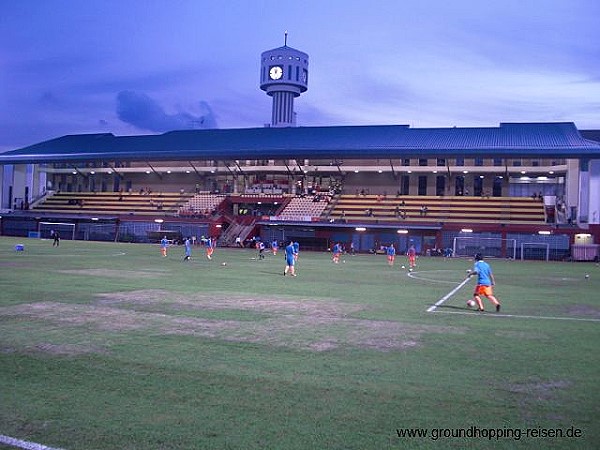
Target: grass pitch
[[106, 346]]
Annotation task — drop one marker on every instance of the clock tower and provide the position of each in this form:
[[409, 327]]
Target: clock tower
[[283, 76]]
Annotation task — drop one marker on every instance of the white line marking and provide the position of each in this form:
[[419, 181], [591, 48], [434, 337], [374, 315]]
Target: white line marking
[[417, 276], [433, 307], [517, 316], [24, 444]]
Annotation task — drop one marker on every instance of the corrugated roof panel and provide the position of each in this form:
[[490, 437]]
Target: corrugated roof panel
[[394, 141]]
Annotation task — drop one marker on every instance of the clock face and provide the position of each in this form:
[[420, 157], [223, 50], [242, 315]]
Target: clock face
[[275, 72]]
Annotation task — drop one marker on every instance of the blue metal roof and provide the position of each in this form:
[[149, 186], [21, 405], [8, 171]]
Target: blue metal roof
[[557, 140]]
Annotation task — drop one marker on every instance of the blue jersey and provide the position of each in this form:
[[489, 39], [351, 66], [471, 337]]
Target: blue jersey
[[337, 248], [484, 273], [188, 247], [164, 243], [289, 255], [391, 251]]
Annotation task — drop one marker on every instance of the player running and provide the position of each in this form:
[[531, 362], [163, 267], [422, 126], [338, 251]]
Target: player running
[[336, 252], [412, 257], [56, 238], [274, 247], [485, 281], [261, 249], [211, 243], [391, 254], [290, 260], [188, 249], [164, 244]]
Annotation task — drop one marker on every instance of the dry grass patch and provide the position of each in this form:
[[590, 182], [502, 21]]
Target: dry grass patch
[[298, 323], [111, 273]]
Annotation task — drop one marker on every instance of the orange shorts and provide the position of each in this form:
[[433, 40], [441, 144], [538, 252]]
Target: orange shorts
[[486, 291]]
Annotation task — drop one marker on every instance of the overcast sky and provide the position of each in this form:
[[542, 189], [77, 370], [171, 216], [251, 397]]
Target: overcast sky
[[149, 66]]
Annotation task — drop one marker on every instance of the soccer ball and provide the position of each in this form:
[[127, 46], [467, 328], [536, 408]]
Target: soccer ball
[[471, 303], [403, 267], [223, 263]]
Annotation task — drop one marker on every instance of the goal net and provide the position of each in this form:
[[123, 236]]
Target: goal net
[[65, 230], [535, 250], [487, 246]]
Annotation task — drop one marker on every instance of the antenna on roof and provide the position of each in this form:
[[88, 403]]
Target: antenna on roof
[[285, 39]]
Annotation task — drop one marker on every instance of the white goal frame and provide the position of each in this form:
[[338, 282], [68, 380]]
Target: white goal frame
[[525, 245], [469, 245], [55, 225]]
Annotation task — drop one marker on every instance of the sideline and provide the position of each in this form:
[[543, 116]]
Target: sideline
[[24, 444], [517, 316]]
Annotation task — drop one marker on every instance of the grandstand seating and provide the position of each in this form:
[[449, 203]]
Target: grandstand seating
[[357, 208], [301, 208], [113, 203], [377, 208], [201, 204]]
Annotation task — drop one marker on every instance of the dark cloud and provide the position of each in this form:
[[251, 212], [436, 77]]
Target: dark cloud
[[145, 113]]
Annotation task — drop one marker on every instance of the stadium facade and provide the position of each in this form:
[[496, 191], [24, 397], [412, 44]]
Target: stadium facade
[[372, 181]]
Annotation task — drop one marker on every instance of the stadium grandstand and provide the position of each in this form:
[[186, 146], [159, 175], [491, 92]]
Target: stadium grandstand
[[519, 183]]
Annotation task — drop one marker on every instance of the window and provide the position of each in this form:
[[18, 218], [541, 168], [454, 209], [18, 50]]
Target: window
[[460, 161], [478, 161], [459, 185], [440, 185], [422, 185], [441, 161], [422, 161], [477, 186], [405, 185], [497, 162], [497, 187]]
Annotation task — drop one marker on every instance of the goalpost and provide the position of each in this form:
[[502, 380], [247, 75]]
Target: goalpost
[[535, 250], [65, 230], [487, 246]]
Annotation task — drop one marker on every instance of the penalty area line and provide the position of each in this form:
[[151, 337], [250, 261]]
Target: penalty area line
[[433, 307], [24, 444]]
